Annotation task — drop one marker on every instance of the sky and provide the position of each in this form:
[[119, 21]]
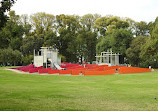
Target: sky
[[138, 10]]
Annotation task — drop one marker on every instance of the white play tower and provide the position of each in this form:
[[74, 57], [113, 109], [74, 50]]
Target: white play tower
[[107, 58], [47, 57]]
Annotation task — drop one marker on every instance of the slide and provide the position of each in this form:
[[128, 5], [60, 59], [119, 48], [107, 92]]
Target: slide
[[58, 67]]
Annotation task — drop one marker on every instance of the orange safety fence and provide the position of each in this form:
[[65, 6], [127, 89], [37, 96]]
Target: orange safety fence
[[53, 71], [90, 66], [112, 67], [108, 72], [46, 70], [75, 67], [76, 72], [124, 70], [81, 69], [33, 70], [65, 71]]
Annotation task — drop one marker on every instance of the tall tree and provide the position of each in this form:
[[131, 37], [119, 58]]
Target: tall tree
[[149, 55], [25, 22], [88, 21], [5, 6], [133, 52], [91, 40], [67, 27], [106, 25], [120, 40], [42, 22], [11, 34], [141, 29]]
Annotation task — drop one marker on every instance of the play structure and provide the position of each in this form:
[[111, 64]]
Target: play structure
[[107, 58], [47, 57], [46, 60]]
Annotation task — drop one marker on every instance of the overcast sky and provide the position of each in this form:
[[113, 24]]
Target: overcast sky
[[138, 10]]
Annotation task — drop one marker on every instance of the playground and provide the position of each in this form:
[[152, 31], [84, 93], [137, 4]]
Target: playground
[[47, 61], [36, 92]]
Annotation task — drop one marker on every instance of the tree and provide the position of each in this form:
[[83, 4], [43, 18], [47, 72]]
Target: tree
[[27, 45], [42, 22], [120, 40], [84, 45], [149, 55], [106, 25], [10, 56], [133, 52], [78, 47], [24, 21], [17, 56], [12, 33], [91, 41], [50, 39], [27, 60], [141, 28], [101, 25], [88, 21], [5, 6], [103, 44], [67, 27]]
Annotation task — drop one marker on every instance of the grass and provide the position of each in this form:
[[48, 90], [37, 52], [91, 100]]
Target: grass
[[30, 92]]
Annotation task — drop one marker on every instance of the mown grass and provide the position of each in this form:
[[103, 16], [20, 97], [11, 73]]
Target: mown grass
[[30, 92]]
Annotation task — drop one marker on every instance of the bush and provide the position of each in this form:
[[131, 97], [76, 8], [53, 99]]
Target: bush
[[10, 56], [27, 60]]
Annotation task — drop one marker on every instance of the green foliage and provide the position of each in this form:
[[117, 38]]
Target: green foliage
[[5, 6], [42, 22], [63, 58], [149, 55], [24, 21], [10, 56], [28, 45], [142, 29], [79, 37], [27, 60], [106, 25], [11, 34], [16, 43], [149, 51], [135, 49], [120, 40], [103, 44], [84, 45], [88, 21], [91, 41], [67, 28], [50, 39]]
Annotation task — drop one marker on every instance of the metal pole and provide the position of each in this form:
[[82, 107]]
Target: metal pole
[[34, 56]]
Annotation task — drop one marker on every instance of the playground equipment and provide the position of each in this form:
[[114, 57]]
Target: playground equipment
[[58, 67], [108, 58], [46, 57]]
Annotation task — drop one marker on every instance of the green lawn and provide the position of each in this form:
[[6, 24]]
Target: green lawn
[[31, 92]]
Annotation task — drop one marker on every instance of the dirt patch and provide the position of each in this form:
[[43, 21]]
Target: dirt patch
[[21, 72], [17, 71]]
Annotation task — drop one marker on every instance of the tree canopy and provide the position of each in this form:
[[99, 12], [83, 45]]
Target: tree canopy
[[78, 37]]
